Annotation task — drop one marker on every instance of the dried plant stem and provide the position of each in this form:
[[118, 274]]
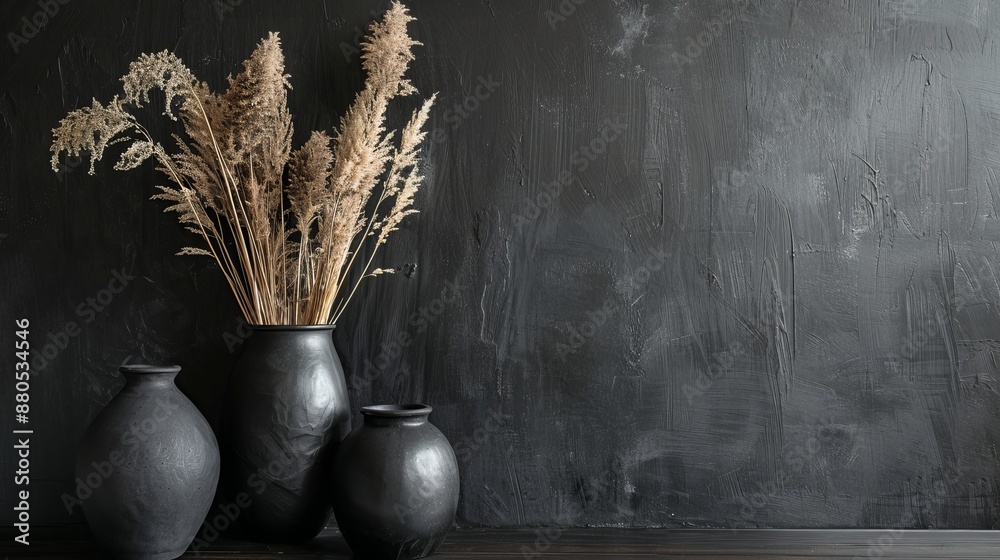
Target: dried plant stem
[[237, 226], [235, 167], [227, 271], [364, 274], [342, 278]]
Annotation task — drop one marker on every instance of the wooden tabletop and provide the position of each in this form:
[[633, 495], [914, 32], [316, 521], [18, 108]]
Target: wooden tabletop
[[591, 544]]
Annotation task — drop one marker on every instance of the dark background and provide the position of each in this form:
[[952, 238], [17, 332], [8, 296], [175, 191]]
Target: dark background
[[725, 317]]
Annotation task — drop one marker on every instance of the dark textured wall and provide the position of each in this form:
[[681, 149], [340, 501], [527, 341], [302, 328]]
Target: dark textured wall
[[717, 263]]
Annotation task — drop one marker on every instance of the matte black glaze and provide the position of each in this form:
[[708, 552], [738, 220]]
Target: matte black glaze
[[395, 484], [151, 464], [286, 410]]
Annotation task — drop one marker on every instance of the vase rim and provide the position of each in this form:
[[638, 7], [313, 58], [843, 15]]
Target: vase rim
[[396, 410], [293, 327], [148, 368]]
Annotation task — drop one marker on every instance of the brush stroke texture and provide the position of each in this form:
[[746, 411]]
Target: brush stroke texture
[[821, 178]]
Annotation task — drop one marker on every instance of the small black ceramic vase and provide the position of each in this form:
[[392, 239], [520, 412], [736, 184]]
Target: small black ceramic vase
[[285, 411], [395, 484], [147, 468]]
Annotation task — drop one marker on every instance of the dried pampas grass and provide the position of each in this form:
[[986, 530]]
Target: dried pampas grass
[[286, 248]]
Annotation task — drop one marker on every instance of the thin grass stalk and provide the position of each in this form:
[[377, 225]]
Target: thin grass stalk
[[231, 206], [226, 271]]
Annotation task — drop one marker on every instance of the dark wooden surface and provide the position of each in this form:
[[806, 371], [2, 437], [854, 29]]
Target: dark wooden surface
[[592, 544]]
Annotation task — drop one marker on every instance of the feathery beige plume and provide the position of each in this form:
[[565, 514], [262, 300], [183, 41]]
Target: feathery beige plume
[[229, 168]]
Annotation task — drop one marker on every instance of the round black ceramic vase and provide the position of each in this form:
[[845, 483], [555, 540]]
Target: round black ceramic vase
[[285, 411], [147, 468], [396, 484]]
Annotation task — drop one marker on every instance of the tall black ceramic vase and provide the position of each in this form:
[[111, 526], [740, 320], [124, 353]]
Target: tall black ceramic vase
[[395, 484], [147, 468], [285, 412]]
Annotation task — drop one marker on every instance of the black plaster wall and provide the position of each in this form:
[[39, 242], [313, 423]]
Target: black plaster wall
[[701, 263]]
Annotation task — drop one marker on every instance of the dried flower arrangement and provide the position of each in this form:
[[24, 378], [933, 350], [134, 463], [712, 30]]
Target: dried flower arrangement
[[229, 172]]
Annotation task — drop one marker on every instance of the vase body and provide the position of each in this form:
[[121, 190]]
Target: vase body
[[285, 411], [147, 468], [395, 484]]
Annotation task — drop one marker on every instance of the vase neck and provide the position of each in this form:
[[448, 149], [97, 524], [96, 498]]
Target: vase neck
[[150, 378], [142, 374], [396, 414], [298, 329], [267, 334], [386, 422]]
